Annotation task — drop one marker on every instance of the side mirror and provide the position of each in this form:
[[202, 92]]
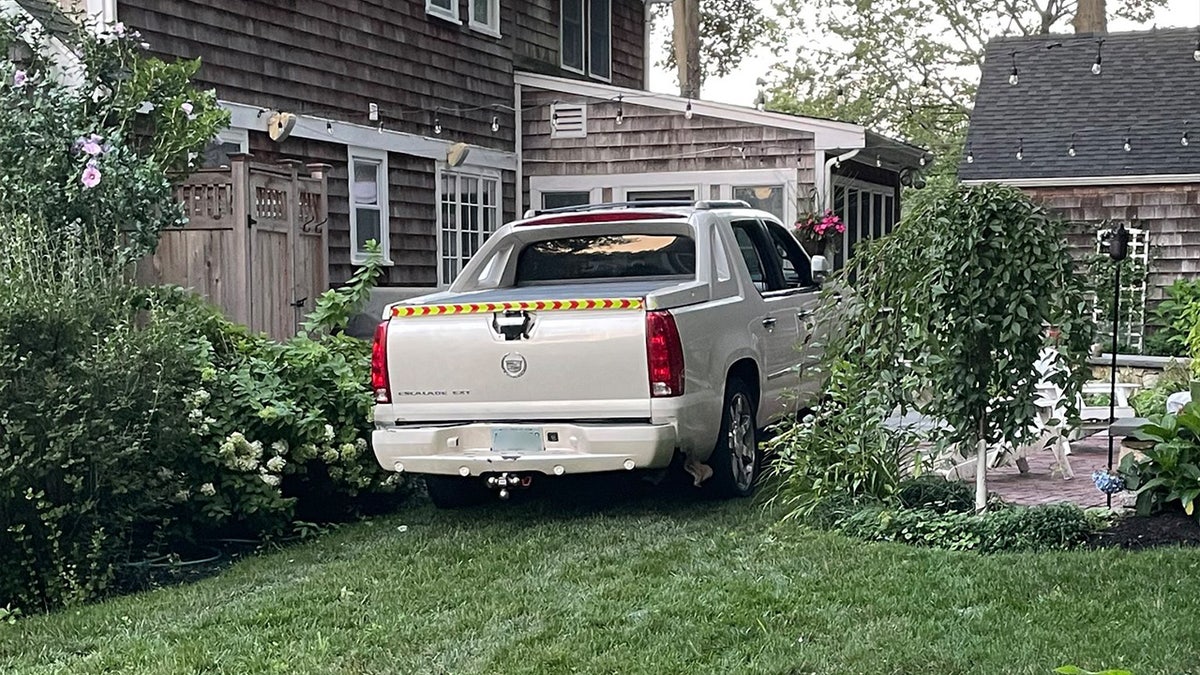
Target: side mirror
[[820, 269]]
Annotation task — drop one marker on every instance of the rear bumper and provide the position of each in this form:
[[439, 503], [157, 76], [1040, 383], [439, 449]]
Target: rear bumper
[[467, 449]]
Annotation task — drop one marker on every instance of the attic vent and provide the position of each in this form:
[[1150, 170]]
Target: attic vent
[[568, 120]]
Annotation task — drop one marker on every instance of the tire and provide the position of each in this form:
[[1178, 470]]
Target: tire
[[737, 460], [453, 492]]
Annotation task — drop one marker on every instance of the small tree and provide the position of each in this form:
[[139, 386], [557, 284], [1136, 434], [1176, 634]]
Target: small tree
[[952, 311]]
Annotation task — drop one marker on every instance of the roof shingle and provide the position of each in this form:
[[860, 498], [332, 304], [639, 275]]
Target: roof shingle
[[1148, 90]]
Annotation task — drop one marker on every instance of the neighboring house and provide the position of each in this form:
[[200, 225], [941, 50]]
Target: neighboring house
[[1122, 145], [390, 95]]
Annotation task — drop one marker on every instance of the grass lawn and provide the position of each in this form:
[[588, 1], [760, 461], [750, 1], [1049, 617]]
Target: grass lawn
[[581, 580]]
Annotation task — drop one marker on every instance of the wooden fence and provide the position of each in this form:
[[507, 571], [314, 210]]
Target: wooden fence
[[255, 242]]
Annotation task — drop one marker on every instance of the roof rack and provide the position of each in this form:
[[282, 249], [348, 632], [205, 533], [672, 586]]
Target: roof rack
[[702, 205]]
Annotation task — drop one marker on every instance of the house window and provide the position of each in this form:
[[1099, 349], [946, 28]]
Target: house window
[[586, 37], [470, 211], [368, 202], [559, 200], [443, 9], [767, 198], [228, 142], [660, 195], [485, 16], [600, 39]]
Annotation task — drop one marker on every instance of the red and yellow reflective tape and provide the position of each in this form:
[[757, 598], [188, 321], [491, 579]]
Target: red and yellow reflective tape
[[403, 311]]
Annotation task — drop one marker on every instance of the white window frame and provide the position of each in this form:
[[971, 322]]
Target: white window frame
[[451, 14], [587, 41], [492, 25], [583, 38], [240, 137], [498, 197], [379, 157]]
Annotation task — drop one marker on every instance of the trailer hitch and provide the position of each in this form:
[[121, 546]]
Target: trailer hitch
[[506, 481]]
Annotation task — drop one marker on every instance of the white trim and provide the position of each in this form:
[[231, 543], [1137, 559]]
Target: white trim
[[538, 197], [583, 42], [1076, 181], [102, 12], [674, 186], [827, 134], [380, 158], [307, 126], [441, 12], [587, 44], [492, 25], [238, 136], [518, 143]]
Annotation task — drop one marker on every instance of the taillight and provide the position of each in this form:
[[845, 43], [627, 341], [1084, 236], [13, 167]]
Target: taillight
[[379, 365], [664, 355]]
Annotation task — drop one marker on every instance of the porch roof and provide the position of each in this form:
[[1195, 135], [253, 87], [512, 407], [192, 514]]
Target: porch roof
[[830, 136]]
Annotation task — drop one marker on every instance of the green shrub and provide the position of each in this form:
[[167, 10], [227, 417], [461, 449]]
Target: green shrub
[[1152, 401], [1174, 319], [1169, 472], [1015, 528], [934, 493]]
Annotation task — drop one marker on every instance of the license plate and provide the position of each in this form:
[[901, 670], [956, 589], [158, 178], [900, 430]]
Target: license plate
[[517, 439]]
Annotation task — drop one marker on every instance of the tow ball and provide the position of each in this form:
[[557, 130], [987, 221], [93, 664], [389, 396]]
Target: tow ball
[[505, 482]]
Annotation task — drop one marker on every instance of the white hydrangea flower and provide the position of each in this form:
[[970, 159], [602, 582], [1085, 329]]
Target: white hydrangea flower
[[279, 448], [270, 479], [276, 464], [183, 495], [329, 432], [330, 455], [208, 489]]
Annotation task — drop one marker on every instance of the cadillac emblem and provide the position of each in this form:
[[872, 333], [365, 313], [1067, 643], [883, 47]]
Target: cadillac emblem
[[513, 365]]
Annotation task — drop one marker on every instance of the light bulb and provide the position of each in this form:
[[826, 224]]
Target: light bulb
[[879, 162], [495, 123], [1196, 54], [437, 125], [554, 120], [620, 115], [1128, 146], [1071, 150], [1184, 139], [329, 126], [922, 160], [687, 112], [1020, 154], [970, 157], [841, 96], [1014, 78], [1096, 67]]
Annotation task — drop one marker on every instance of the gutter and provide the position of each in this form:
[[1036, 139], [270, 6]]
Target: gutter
[[828, 173]]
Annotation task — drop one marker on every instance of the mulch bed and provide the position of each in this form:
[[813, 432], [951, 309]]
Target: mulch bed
[[1172, 528]]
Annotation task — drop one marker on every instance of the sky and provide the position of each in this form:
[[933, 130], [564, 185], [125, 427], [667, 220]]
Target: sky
[[739, 87]]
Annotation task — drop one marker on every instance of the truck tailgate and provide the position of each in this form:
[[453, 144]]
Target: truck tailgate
[[579, 359]]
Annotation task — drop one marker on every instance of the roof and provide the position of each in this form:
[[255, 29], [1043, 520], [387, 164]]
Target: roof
[[50, 15], [1148, 91], [828, 134]]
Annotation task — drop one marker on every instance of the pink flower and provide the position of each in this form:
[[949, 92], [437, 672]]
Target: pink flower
[[118, 28], [20, 78], [91, 175], [187, 108]]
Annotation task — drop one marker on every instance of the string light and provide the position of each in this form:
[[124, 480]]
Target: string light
[[841, 96], [373, 112], [495, 123], [1183, 140], [922, 159], [1099, 58], [620, 112], [1071, 148], [1020, 149], [970, 154], [329, 126], [1014, 78], [879, 162], [687, 112], [1196, 54], [1128, 145], [437, 125]]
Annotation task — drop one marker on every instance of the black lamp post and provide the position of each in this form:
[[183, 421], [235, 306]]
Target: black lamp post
[[1118, 250]]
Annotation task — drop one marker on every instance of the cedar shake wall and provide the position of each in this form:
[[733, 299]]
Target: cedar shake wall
[[1171, 213], [537, 49], [331, 59]]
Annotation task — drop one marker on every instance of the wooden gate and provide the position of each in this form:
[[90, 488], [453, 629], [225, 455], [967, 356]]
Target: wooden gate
[[255, 242]]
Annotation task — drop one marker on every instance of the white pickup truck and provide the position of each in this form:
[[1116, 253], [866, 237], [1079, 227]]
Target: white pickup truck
[[595, 339]]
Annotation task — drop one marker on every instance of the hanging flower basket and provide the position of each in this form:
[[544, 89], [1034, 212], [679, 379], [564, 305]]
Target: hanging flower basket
[[820, 229]]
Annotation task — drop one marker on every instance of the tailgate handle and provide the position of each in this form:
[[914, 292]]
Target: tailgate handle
[[513, 324]]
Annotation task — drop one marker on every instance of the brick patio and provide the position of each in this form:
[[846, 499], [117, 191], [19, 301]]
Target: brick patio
[[1041, 486]]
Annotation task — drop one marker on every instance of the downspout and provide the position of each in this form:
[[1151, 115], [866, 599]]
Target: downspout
[[827, 190], [518, 137]]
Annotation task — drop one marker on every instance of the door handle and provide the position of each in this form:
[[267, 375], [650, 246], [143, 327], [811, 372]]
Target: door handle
[[769, 322]]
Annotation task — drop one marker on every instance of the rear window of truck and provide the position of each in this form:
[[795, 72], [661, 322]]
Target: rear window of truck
[[624, 256]]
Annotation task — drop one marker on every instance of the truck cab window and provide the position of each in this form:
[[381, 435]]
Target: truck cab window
[[793, 263], [744, 231]]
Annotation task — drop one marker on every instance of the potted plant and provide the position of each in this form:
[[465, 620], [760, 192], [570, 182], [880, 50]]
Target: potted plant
[[819, 229]]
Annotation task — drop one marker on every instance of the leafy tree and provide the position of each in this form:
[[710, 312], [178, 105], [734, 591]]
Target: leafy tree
[[908, 67], [949, 315], [729, 30]]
